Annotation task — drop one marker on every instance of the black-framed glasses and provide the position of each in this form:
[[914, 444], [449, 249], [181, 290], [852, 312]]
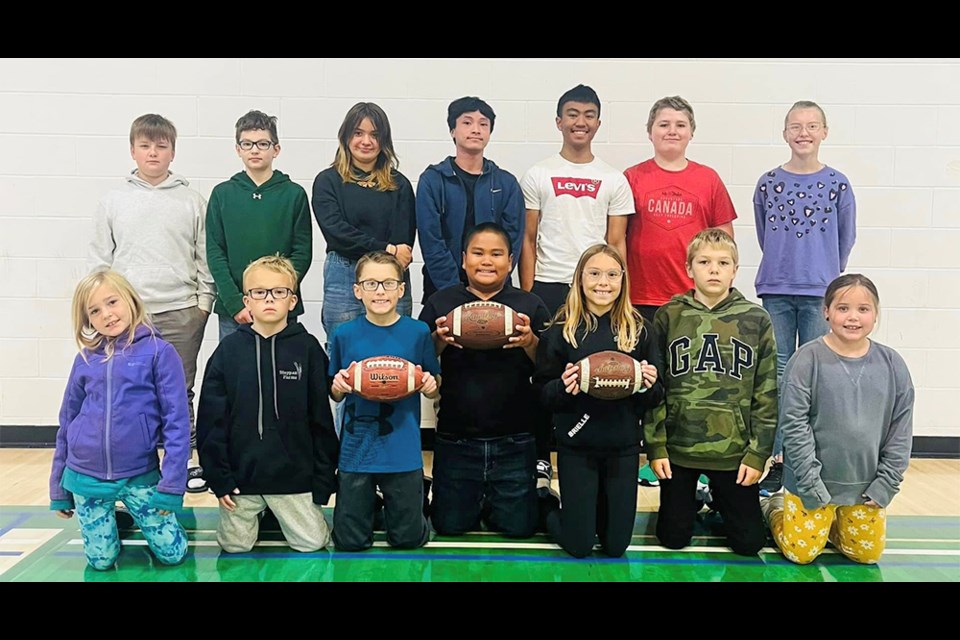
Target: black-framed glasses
[[277, 293], [373, 285], [263, 145]]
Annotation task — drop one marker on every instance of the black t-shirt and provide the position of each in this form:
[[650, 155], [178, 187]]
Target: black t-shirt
[[469, 181], [487, 393]]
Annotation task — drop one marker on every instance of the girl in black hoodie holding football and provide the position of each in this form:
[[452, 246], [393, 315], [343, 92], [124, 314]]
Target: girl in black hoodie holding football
[[598, 441]]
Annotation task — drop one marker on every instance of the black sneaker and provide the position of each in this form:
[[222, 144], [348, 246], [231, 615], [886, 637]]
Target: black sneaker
[[195, 481], [547, 503], [268, 521], [774, 480], [378, 521], [544, 478], [125, 521], [427, 483]]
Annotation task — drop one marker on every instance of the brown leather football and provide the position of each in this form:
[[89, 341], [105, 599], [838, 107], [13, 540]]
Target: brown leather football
[[610, 375], [384, 378], [482, 325]]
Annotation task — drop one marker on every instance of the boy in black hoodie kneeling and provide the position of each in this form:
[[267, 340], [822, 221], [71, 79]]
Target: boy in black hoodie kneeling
[[264, 427]]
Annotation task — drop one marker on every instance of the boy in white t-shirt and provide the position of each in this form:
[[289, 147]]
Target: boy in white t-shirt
[[574, 200]]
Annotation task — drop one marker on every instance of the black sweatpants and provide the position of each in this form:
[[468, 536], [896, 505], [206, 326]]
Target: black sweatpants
[[402, 510], [739, 506], [599, 495]]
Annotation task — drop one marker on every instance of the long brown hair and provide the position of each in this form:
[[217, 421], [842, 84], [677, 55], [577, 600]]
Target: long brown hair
[[386, 160]]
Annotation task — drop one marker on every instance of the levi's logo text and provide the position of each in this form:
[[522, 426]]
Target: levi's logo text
[[576, 187]]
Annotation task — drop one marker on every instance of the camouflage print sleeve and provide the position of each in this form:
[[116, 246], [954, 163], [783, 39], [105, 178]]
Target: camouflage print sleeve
[[655, 425], [763, 407]]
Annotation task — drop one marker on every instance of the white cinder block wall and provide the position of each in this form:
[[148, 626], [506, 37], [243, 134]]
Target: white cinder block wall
[[894, 130]]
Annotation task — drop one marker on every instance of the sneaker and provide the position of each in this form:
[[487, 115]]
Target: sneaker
[[125, 520], [427, 483], [544, 477], [268, 521], [704, 495], [773, 482], [547, 503], [770, 505], [379, 523], [195, 481], [647, 478]]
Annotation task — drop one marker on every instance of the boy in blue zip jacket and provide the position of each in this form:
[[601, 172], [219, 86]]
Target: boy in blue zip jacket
[[466, 189], [126, 395]]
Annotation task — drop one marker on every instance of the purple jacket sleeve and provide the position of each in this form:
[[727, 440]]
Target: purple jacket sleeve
[[69, 409], [175, 420]]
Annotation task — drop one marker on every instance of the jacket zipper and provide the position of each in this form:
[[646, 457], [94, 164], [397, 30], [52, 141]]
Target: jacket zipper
[[109, 418]]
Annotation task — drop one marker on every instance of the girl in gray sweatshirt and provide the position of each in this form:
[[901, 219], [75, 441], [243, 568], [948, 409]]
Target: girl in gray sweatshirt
[[847, 417]]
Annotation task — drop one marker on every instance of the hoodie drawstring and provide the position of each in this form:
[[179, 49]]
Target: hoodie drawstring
[[259, 391], [273, 358]]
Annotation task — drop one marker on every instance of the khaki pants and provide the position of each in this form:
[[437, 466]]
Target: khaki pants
[[301, 521]]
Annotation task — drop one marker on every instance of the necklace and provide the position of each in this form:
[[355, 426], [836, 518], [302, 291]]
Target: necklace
[[863, 366]]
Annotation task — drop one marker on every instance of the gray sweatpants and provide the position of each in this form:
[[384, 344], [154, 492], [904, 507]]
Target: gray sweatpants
[[183, 329], [301, 521]]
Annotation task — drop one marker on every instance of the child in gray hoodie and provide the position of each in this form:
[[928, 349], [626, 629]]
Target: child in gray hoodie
[[151, 230]]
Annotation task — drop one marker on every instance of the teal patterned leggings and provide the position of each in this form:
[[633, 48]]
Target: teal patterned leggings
[[98, 526]]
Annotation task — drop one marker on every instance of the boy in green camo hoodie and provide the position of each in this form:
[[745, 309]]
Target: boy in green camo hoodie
[[719, 368]]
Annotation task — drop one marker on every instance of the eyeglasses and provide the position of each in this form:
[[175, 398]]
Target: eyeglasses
[[373, 285], [594, 275], [277, 293], [263, 145], [811, 127]]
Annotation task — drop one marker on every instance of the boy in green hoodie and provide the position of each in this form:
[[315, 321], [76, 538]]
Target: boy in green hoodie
[[257, 212], [718, 359]]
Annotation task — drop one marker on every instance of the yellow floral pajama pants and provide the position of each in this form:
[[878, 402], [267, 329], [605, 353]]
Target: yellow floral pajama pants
[[859, 532]]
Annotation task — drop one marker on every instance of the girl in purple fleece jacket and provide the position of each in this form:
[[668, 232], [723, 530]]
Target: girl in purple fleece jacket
[[126, 395]]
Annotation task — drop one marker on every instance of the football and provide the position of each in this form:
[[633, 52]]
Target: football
[[610, 375], [482, 325], [384, 378]]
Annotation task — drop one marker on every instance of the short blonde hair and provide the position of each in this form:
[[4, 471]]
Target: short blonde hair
[[716, 238], [87, 338], [275, 263]]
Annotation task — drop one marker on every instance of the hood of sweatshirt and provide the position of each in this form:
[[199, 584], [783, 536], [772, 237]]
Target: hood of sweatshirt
[[243, 181], [689, 300], [173, 180], [268, 345]]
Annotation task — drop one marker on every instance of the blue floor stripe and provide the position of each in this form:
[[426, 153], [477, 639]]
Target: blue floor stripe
[[10, 553], [21, 518]]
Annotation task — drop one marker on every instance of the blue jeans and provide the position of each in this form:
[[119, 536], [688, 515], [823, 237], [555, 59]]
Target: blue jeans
[[797, 320], [227, 326], [341, 306], [490, 480]]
